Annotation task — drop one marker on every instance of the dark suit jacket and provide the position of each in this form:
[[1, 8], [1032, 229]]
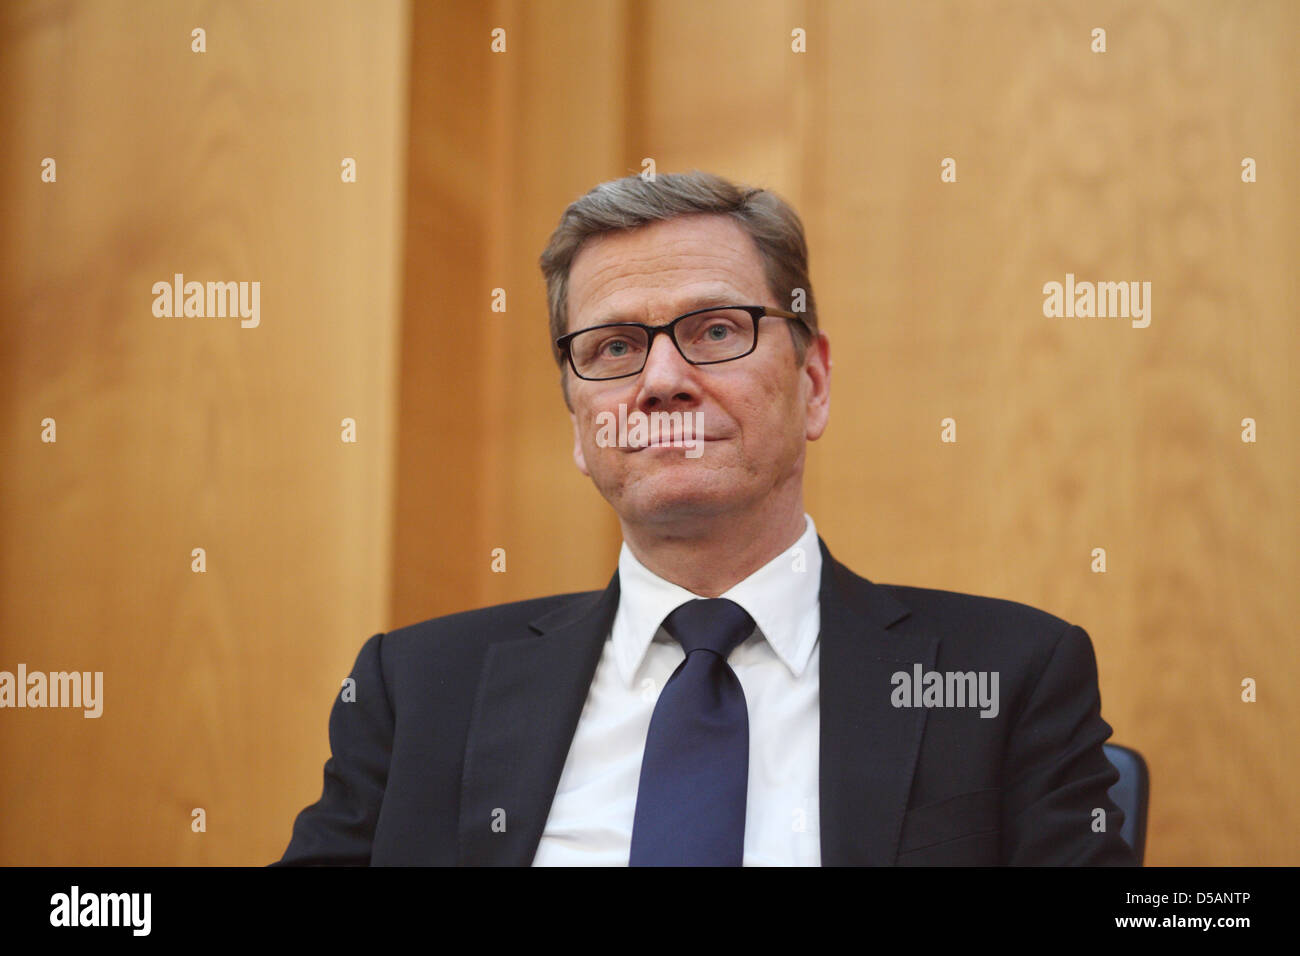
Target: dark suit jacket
[[464, 718]]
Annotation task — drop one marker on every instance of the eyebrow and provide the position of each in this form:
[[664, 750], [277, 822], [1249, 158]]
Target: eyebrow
[[702, 301]]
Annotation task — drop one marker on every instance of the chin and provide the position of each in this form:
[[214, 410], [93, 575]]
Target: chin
[[660, 500]]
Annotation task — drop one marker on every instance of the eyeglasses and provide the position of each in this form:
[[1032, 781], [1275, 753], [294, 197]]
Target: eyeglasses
[[703, 337]]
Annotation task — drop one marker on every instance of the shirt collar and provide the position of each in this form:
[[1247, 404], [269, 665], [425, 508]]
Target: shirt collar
[[781, 597]]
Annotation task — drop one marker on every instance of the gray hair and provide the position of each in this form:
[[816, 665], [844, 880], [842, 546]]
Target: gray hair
[[630, 202]]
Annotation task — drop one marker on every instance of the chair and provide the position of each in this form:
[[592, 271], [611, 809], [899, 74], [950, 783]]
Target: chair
[[1130, 794]]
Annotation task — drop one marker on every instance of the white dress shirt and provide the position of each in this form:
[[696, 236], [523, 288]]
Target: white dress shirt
[[590, 823]]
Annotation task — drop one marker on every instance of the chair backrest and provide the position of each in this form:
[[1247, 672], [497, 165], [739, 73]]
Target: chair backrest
[[1130, 794]]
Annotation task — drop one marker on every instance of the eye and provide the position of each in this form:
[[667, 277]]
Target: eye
[[717, 329], [615, 348]]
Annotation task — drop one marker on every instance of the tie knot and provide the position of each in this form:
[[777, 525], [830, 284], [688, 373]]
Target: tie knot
[[713, 624]]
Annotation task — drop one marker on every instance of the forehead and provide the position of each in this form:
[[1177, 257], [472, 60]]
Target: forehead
[[655, 272]]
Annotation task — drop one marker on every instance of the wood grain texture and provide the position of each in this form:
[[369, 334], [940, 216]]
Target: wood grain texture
[[1072, 433], [176, 433], [485, 439]]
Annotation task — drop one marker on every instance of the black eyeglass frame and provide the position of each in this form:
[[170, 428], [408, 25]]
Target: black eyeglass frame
[[756, 312]]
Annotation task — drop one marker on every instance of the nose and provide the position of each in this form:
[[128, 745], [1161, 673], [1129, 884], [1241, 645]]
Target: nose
[[667, 377]]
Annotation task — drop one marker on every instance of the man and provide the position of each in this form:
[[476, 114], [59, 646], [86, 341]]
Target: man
[[735, 695]]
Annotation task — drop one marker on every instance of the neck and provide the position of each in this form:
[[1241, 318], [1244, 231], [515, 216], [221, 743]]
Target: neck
[[715, 554]]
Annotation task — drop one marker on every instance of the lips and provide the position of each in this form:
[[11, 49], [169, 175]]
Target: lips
[[679, 444], [673, 441], [636, 430]]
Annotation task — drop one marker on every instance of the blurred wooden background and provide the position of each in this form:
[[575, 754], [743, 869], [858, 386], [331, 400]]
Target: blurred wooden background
[[376, 305]]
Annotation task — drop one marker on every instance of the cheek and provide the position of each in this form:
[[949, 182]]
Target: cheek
[[780, 401], [775, 424], [590, 448], [599, 456]]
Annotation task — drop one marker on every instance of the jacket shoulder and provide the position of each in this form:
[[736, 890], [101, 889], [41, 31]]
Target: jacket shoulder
[[1015, 640], [486, 625], [981, 625], [944, 612], [975, 609]]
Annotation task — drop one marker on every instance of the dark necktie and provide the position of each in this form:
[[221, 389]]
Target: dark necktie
[[690, 804]]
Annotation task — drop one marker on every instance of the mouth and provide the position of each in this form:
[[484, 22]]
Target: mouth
[[675, 445], [638, 430]]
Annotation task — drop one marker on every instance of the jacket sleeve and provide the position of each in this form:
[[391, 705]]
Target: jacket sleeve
[[339, 828], [1056, 774]]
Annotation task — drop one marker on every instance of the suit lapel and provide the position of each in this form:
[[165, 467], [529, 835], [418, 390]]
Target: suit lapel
[[869, 748], [530, 695], [532, 690]]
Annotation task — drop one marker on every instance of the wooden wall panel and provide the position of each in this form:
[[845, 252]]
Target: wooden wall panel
[[176, 433], [486, 444]]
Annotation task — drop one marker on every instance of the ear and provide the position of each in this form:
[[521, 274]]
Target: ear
[[817, 376], [578, 458]]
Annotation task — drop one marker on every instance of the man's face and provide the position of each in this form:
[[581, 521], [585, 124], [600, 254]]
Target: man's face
[[756, 412]]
